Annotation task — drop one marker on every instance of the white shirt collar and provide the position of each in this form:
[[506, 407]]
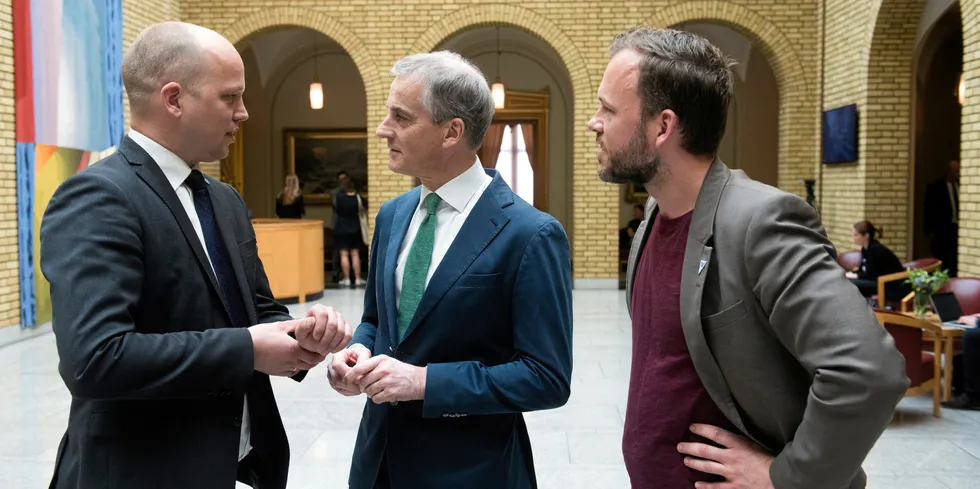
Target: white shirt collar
[[174, 168], [458, 191]]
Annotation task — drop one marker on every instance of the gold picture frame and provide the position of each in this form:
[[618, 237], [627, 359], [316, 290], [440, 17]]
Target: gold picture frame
[[636, 194], [317, 155]]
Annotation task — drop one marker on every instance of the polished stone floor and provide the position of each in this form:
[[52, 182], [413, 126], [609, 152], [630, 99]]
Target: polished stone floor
[[576, 446]]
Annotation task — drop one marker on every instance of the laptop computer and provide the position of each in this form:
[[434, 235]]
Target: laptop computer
[[948, 309]]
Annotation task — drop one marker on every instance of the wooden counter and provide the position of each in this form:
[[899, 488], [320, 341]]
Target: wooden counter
[[291, 251]]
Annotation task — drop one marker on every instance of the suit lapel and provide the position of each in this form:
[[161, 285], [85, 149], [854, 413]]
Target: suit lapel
[[399, 227], [224, 208], [150, 172], [697, 263], [636, 248], [482, 225]]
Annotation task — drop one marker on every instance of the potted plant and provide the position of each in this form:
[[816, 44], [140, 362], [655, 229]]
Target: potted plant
[[924, 284]]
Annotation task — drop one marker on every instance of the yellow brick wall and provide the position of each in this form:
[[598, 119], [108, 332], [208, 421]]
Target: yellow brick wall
[[9, 280], [847, 35], [969, 254], [378, 32]]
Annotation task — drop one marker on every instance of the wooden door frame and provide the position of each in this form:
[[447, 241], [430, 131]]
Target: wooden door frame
[[531, 107]]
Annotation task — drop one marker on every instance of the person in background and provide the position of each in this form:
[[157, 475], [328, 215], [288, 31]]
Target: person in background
[[876, 260], [289, 202], [347, 237], [336, 271], [942, 210]]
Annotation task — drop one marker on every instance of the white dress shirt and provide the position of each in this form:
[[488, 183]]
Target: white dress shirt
[[459, 196], [177, 170]]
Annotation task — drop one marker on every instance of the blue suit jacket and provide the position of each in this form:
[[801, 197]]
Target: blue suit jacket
[[494, 328]]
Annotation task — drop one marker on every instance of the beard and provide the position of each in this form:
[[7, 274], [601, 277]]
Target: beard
[[635, 164]]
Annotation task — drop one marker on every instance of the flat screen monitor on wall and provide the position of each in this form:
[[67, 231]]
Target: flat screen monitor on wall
[[840, 135]]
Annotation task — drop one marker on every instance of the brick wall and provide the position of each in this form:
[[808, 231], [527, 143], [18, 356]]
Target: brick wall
[[9, 280], [969, 253], [377, 32]]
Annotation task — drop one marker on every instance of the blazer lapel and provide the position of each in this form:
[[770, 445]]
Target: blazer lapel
[[482, 225], [399, 227], [697, 262], [223, 212], [636, 249], [150, 172]]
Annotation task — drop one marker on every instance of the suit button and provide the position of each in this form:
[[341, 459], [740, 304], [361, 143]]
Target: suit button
[[238, 421], [394, 403], [445, 415]]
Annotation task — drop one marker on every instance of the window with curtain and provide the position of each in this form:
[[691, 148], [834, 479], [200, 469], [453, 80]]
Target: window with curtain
[[514, 164]]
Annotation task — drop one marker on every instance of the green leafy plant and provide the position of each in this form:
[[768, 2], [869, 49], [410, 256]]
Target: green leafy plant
[[924, 284]]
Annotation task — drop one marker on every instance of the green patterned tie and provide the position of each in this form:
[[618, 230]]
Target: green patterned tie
[[417, 266]]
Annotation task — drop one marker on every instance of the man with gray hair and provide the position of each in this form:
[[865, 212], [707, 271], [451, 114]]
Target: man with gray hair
[[166, 328], [467, 313]]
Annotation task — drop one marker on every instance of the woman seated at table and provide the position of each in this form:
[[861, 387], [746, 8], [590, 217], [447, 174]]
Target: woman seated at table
[[876, 260]]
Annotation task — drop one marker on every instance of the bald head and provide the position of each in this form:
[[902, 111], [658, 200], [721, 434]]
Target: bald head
[[169, 52]]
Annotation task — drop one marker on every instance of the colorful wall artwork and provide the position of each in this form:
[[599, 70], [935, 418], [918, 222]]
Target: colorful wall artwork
[[67, 59]]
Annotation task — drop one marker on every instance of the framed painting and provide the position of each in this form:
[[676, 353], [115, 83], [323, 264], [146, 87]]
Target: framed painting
[[317, 155], [636, 194]]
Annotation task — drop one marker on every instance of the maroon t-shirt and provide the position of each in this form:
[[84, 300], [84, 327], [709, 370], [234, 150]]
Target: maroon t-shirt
[[665, 395]]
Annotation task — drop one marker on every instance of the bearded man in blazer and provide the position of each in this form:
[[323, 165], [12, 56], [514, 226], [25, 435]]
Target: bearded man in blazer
[[756, 363]]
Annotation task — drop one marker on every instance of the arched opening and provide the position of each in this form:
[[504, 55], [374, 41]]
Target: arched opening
[[751, 141], [938, 67], [285, 134], [531, 138]]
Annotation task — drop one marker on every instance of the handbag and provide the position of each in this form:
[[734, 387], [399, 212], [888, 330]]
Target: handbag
[[362, 217]]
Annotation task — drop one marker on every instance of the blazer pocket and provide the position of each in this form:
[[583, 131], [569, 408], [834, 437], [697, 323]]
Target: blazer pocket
[[248, 248], [478, 280], [725, 317]]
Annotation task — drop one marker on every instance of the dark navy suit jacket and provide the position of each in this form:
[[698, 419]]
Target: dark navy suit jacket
[[494, 328]]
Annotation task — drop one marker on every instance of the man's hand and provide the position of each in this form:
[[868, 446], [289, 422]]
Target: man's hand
[[385, 379], [743, 464], [278, 354], [341, 364], [328, 334], [851, 275]]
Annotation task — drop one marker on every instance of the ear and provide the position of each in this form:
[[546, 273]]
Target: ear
[[171, 94], [663, 127], [454, 131]]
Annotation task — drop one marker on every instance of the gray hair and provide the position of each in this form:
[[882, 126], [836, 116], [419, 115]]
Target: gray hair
[[453, 88], [162, 53]]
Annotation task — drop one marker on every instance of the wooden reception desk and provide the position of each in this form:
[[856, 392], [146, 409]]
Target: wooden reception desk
[[291, 251]]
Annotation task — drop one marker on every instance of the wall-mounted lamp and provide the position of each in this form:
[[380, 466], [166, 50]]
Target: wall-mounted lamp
[[961, 89]]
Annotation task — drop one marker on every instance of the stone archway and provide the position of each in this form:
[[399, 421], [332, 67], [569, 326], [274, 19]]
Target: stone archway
[[374, 88], [798, 130], [603, 215]]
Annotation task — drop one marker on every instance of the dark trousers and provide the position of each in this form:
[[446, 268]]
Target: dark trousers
[[383, 482], [944, 247], [971, 363]]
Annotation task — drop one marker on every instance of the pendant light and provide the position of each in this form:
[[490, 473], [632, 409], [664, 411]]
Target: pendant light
[[497, 89], [961, 89], [316, 88]]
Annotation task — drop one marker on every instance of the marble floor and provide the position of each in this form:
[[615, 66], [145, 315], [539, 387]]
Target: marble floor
[[576, 446]]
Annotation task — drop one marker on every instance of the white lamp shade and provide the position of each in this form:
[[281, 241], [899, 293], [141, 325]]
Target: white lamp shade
[[316, 96], [497, 90]]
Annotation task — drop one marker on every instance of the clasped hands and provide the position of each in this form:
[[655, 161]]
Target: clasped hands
[[382, 378], [321, 332]]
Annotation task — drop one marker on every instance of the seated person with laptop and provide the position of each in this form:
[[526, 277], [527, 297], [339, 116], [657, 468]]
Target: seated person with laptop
[[950, 313]]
